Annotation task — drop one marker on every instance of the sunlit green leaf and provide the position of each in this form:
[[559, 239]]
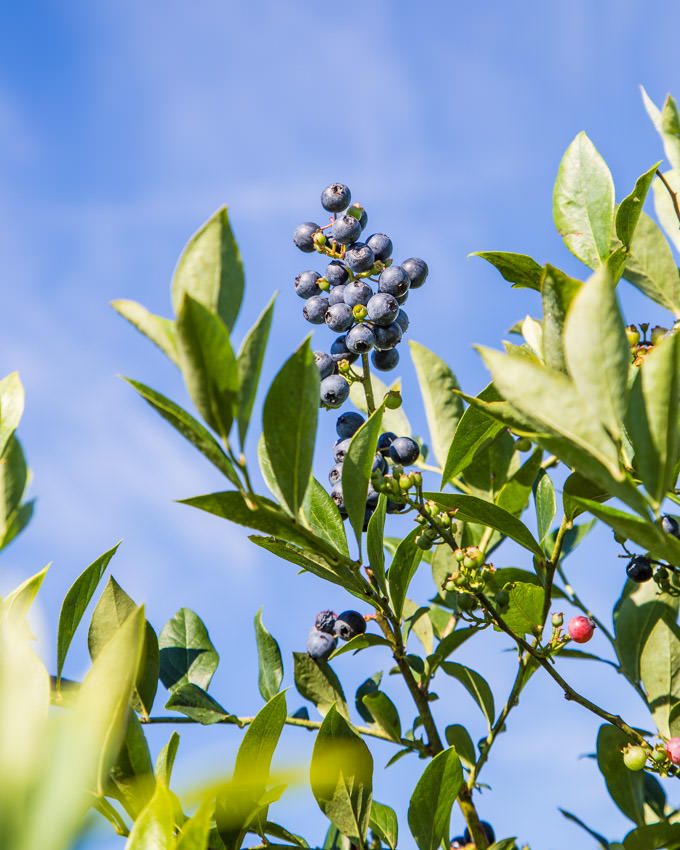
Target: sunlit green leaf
[[186, 652], [475, 684], [625, 786], [664, 205], [628, 213], [270, 663], [429, 811], [402, 569], [250, 359], [194, 702], [384, 713], [651, 267], [11, 407], [159, 330], [317, 682], [383, 822], [154, 828], [660, 672], [519, 269]]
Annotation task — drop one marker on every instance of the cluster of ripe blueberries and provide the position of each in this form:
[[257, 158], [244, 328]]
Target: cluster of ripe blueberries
[[343, 298], [328, 627]]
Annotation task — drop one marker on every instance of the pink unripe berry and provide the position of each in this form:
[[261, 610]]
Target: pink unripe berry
[[673, 750], [581, 630]]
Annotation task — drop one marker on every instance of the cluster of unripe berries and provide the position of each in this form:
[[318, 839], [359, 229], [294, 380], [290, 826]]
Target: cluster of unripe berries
[[472, 573], [464, 841], [367, 320], [437, 525], [323, 637], [639, 344], [664, 757]]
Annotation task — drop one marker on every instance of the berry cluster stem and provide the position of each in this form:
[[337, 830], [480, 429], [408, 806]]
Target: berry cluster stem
[[367, 384], [674, 195]]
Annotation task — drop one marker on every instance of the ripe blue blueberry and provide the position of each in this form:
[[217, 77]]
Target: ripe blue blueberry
[[320, 645], [416, 270], [360, 339], [348, 424], [359, 257], [394, 280], [336, 197], [337, 295], [387, 337], [303, 236], [325, 621], [385, 440], [486, 829], [339, 317], [346, 229], [402, 299], [670, 525], [325, 363], [336, 273], [381, 246], [379, 463], [306, 284], [385, 360], [357, 292], [368, 513], [338, 498], [404, 451], [402, 320], [393, 507], [315, 309], [382, 308], [639, 569], [340, 449], [349, 624], [335, 475], [339, 350], [334, 390]]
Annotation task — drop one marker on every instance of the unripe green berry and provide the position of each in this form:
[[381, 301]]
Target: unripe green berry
[[431, 533], [523, 444], [657, 334], [393, 398], [557, 621], [658, 755], [459, 555], [450, 585], [634, 757], [444, 519], [323, 284], [423, 542], [404, 483], [343, 367], [355, 210], [632, 335]]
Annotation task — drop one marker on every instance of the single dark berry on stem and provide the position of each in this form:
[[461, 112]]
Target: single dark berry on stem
[[402, 320], [349, 624], [336, 197], [417, 271], [334, 390], [404, 451], [387, 337], [360, 339], [359, 257], [381, 246], [394, 281], [315, 309], [336, 273], [320, 644], [325, 364], [306, 284], [348, 424], [346, 229], [382, 308], [339, 350], [357, 292], [339, 317], [670, 525], [639, 569], [303, 236], [384, 361]]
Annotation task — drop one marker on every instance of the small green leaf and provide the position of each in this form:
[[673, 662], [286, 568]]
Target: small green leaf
[[402, 569], [341, 775], [653, 837], [250, 359], [660, 672], [11, 407], [384, 713], [76, 601], [544, 497], [628, 213], [519, 269], [578, 486], [210, 270], [323, 517], [194, 702], [525, 608], [356, 471], [316, 681], [368, 686], [154, 828], [289, 419], [187, 654], [475, 685], [374, 543], [458, 736], [359, 642], [443, 407], [13, 480], [625, 786], [557, 292], [429, 811], [269, 655], [651, 267], [166, 759], [159, 330], [474, 429], [16, 604], [383, 822], [668, 125], [195, 832], [583, 202], [17, 523]]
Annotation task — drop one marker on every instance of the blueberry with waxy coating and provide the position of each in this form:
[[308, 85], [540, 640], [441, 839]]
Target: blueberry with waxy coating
[[334, 390], [379, 463], [325, 621], [372, 496], [382, 308], [381, 245], [417, 271], [639, 569], [360, 339], [385, 440], [402, 299], [368, 513], [387, 337], [402, 320], [303, 236], [357, 292], [336, 197], [306, 284], [339, 350], [325, 364], [320, 644], [337, 496], [404, 451], [339, 317], [348, 424], [315, 309], [359, 257], [384, 361], [394, 280], [345, 229], [340, 449], [349, 624], [336, 273], [335, 475], [670, 525], [337, 295]]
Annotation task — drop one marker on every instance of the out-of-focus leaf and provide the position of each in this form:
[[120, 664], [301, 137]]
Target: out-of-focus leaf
[[270, 663], [154, 828], [130, 779], [16, 604], [369, 686], [625, 786], [250, 358], [429, 811], [13, 480], [519, 269], [11, 407], [653, 837], [166, 759], [317, 682], [195, 832], [665, 208], [660, 672], [159, 330], [186, 652]]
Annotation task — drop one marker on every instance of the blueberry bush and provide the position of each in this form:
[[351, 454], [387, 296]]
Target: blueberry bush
[[586, 404]]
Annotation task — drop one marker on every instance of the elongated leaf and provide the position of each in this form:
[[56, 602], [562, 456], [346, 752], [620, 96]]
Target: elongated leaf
[[210, 270], [130, 779], [289, 419], [154, 828], [17, 523], [625, 786], [449, 645], [323, 517], [356, 471], [383, 822], [597, 351], [429, 811], [194, 702], [196, 831], [458, 736], [664, 206], [13, 480], [166, 759], [384, 713], [544, 496], [317, 682], [519, 269], [475, 428], [514, 495], [475, 685], [667, 124], [11, 407], [653, 837], [628, 213], [660, 672], [76, 601], [359, 642], [250, 359], [557, 292], [269, 655], [583, 202], [402, 569], [159, 330], [525, 608], [208, 364], [443, 407], [374, 543], [601, 840], [651, 267], [187, 654], [16, 605], [341, 775], [189, 428]]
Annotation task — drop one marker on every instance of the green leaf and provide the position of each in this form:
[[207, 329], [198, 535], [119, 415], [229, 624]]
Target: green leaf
[[383, 822], [443, 407], [557, 292], [341, 776], [628, 213], [665, 208], [196, 830], [583, 202], [356, 471], [166, 759], [660, 672], [13, 480], [130, 779], [17, 523], [474, 429], [323, 517], [194, 702], [667, 123], [514, 495], [208, 364], [601, 840], [544, 497], [525, 609], [416, 620], [449, 645], [289, 419], [625, 786], [597, 351], [472, 509], [653, 837], [359, 642], [374, 543], [458, 736], [577, 485], [384, 713], [651, 267], [653, 418], [475, 685], [429, 811], [316, 681], [11, 407], [402, 569], [210, 270], [154, 828], [187, 654], [189, 428], [113, 608], [368, 686], [519, 269], [16, 604], [270, 663], [250, 359], [76, 601], [159, 330]]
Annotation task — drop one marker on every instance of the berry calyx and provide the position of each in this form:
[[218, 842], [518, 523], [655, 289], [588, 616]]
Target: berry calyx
[[580, 629], [635, 757], [632, 335], [557, 621]]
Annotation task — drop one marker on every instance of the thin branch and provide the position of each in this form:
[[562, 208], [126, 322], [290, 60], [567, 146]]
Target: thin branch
[[674, 196]]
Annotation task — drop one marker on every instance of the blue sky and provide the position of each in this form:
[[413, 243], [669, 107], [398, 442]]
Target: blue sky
[[123, 126]]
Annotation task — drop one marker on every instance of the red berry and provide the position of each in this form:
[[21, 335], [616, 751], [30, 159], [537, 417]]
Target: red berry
[[673, 750], [581, 630]]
